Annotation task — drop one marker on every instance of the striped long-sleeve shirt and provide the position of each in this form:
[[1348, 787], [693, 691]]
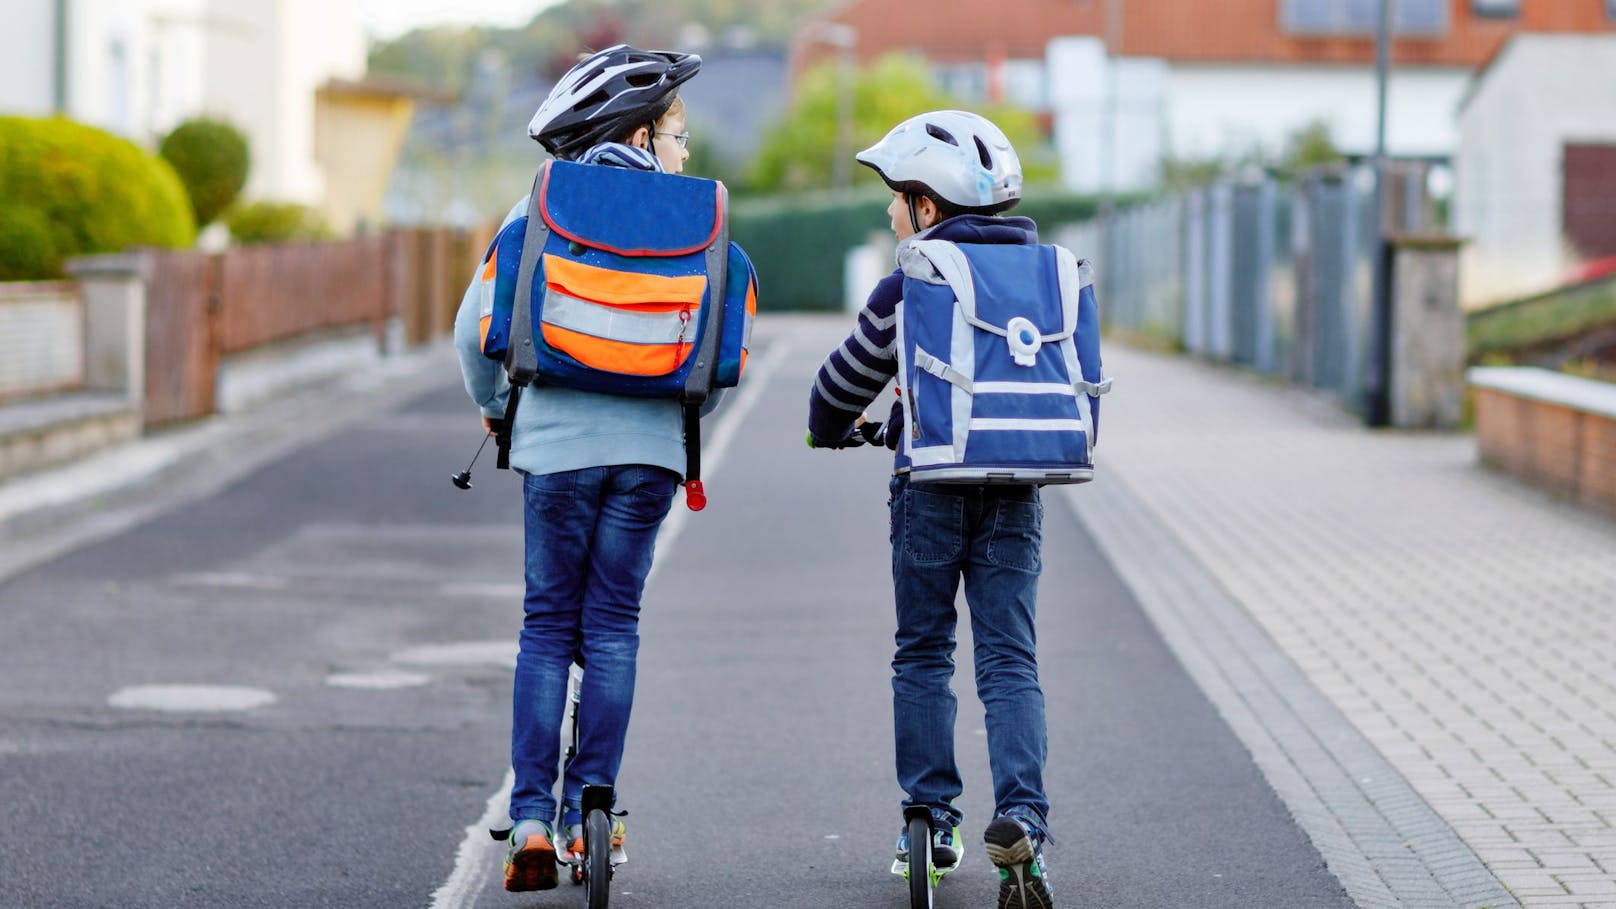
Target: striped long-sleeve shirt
[[855, 373]]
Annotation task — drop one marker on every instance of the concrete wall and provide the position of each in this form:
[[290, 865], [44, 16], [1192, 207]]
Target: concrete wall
[[1541, 92]]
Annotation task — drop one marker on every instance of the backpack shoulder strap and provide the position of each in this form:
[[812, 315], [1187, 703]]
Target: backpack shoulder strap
[[521, 360]]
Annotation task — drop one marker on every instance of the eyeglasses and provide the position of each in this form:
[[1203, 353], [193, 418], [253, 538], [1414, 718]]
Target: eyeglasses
[[680, 139]]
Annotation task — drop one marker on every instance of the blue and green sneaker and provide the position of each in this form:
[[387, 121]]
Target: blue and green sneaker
[[1017, 849]]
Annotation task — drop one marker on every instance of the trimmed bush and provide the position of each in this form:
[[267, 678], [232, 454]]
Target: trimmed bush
[[797, 243], [276, 222], [67, 189], [212, 161]]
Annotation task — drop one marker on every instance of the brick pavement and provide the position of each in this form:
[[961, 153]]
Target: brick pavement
[[1465, 624]]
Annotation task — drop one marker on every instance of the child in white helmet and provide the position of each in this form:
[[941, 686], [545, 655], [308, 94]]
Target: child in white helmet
[[599, 474], [951, 173]]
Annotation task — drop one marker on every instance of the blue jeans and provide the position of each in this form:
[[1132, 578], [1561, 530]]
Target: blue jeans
[[991, 537], [590, 536]]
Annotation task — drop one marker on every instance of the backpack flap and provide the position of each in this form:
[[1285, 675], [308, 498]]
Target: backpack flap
[[631, 212]]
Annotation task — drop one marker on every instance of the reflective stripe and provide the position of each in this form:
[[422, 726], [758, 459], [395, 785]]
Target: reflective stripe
[[992, 425], [482, 328], [618, 356], [631, 326], [623, 288], [1023, 388]]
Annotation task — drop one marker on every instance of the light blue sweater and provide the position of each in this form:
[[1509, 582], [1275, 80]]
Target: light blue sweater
[[562, 429]]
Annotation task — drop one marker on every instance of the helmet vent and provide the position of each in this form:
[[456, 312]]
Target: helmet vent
[[641, 80], [982, 152], [594, 100], [942, 135]]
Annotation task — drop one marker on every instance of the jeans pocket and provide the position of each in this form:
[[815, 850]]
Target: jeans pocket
[[550, 495], [1017, 535], [933, 526]]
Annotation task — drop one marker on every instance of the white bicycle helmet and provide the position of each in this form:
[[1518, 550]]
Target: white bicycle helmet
[[607, 95], [956, 156]]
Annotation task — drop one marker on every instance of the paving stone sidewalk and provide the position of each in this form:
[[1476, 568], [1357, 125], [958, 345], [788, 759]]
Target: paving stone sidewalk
[[1464, 623]]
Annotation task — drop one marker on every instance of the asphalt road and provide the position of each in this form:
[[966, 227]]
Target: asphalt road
[[378, 606]]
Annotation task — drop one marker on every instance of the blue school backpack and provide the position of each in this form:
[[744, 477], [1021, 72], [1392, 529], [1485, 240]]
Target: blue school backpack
[[622, 282], [999, 364]]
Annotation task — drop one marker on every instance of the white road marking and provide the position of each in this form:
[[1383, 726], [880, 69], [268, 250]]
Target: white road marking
[[465, 653], [190, 698], [476, 856], [385, 680]]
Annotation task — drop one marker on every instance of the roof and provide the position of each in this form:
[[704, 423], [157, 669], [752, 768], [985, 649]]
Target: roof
[[1228, 31]]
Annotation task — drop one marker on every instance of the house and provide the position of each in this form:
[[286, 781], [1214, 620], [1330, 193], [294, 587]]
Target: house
[[139, 67], [1535, 172], [1197, 80]]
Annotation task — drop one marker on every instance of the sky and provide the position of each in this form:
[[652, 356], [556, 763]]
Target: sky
[[384, 19]]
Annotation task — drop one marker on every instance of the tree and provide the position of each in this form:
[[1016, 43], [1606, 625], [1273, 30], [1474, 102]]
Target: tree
[[212, 160], [799, 151], [1308, 147]]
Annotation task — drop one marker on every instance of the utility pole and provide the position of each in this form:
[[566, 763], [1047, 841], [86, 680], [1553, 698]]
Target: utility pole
[[1377, 384]]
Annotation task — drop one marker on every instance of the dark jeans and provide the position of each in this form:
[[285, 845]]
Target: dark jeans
[[590, 537], [991, 537]]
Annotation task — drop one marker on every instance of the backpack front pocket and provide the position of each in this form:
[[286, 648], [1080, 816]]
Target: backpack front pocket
[[628, 323]]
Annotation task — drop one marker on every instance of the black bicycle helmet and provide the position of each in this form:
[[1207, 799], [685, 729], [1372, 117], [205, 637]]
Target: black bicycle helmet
[[609, 94]]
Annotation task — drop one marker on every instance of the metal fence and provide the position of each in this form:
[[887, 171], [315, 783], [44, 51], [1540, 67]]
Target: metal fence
[[1273, 276]]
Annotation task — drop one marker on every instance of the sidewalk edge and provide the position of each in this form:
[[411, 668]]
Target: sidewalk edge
[[1385, 844]]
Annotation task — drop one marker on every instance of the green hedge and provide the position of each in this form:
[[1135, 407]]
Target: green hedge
[[67, 189], [797, 243], [1543, 320], [276, 222]]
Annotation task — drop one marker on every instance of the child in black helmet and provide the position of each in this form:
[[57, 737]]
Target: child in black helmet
[[599, 474], [951, 173]]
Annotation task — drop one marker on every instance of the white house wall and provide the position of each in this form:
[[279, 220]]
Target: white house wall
[[264, 65], [1540, 93], [1227, 111], [28, 58]]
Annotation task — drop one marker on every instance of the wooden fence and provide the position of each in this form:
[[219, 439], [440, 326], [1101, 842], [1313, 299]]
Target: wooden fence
[[202, 307]]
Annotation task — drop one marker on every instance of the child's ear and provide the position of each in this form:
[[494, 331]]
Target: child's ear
[[641, 138]]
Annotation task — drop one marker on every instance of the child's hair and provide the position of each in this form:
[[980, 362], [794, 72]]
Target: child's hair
[[676, 105]]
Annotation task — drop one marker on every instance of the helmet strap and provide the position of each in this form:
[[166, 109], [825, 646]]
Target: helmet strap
[[914, 219]]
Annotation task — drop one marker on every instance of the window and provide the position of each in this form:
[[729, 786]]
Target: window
[[1361, 17], [1496, 9]]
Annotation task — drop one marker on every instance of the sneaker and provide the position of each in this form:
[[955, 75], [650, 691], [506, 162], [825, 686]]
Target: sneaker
[[945, 848], [573, 852], [1018, 851], [530, 862]]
